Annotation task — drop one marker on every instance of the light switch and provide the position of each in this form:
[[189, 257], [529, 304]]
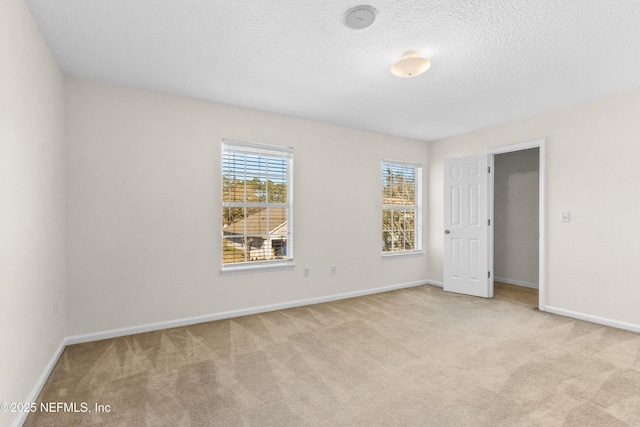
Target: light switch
[[565, 217]]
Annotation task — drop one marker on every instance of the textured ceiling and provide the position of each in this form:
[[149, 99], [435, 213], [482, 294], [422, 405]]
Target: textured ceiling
[[492, 60]]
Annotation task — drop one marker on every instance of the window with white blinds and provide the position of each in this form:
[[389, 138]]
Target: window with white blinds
[[257, 205], [401, 207]]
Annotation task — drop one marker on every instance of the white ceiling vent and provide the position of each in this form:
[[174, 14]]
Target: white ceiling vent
[[360, 17]]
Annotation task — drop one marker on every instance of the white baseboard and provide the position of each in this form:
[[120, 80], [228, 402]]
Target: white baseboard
[[516, 282], [114, 333], [33, 396], [263, 309], [593, 319], [497, 279]]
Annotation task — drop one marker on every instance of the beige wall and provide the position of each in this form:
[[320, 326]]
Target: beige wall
[[591, 157], [32, 224], [515, 217], [144, 211]]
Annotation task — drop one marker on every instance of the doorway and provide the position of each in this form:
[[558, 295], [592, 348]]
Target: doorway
[[515, 229], [468, 257], [517, 209]]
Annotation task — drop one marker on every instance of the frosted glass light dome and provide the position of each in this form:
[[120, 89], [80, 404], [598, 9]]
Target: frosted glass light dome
[[411, 65]]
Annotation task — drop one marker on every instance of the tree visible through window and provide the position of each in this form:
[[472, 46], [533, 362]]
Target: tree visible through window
[[401, 207], [256, 204]]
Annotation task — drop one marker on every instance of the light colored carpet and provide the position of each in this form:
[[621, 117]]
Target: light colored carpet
[[413, 357], [508, 292]]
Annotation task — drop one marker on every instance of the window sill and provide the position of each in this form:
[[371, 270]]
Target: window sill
[[254, 268], [401, 254]]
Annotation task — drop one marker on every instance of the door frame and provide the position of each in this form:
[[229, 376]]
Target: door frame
[[540, 144]]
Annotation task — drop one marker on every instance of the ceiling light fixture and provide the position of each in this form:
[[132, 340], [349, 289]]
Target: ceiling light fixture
[[360, 17], [411, 65]]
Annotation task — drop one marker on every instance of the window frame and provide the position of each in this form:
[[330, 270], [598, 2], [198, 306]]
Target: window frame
[[228, 147], [416, 207]]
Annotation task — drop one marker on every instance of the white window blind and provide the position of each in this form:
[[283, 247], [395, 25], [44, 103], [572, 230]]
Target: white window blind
[[257, 205], [401, 207]]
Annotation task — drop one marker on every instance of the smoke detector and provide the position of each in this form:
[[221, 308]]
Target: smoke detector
[[360, 17]]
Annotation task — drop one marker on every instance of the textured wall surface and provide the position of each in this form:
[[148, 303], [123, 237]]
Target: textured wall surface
[[32, 223]]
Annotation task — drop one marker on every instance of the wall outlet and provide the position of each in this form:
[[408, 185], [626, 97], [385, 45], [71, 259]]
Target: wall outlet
[[565, 217], [307, 272], [333, 269]]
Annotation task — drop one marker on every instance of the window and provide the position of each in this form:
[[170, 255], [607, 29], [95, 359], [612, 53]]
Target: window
[[401, 208], [257, 212]]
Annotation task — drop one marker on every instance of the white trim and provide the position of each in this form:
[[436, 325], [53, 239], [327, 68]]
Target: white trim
[[402, 163], [541, 145], [435, 283], [594, 319], [114, 333], [535, 143], [516, 282], [258, 146], [396, 254], [37, 388], [256, 267], [542, 278], [491, 162]]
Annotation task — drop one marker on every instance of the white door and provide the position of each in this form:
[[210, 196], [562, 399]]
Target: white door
[[466, 228]]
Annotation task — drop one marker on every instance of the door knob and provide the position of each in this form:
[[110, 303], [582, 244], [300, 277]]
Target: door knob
[[446, 232]]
